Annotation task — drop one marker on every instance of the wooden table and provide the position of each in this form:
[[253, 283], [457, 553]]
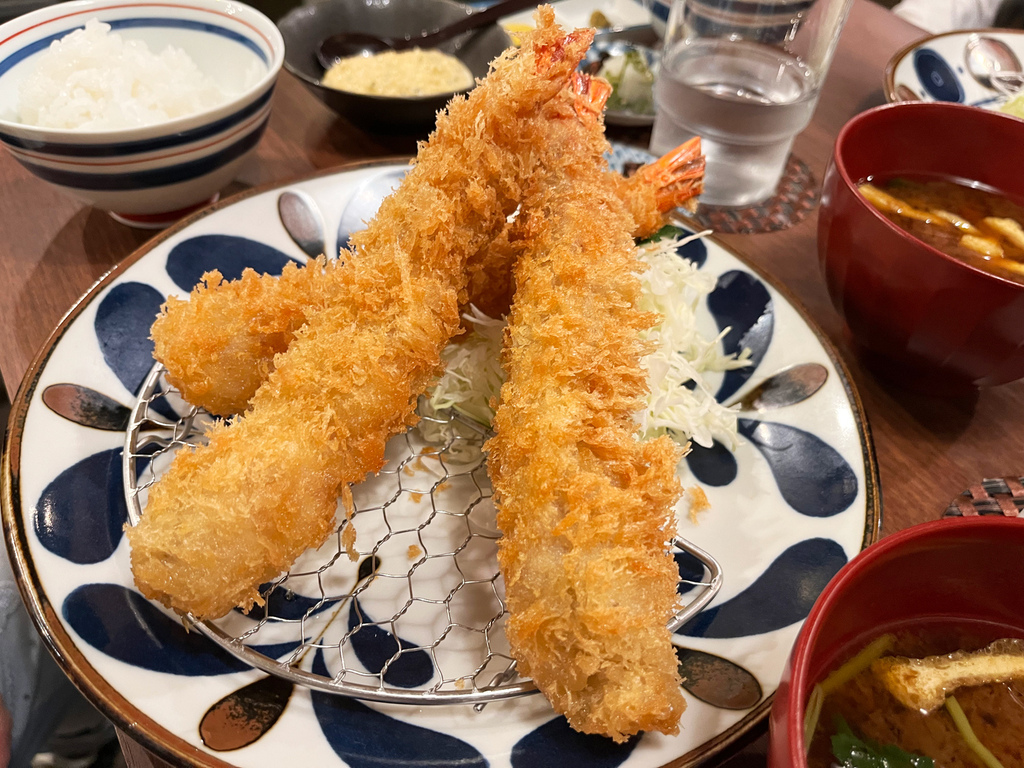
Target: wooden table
[[52, 249]]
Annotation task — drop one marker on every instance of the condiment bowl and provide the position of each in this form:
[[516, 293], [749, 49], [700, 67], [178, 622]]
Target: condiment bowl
[[148, 176], [306, 26], [959, 570], [924, 319]]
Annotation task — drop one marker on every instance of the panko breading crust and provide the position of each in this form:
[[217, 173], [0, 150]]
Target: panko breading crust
[[584, 507], [235, 513], [219, 346]]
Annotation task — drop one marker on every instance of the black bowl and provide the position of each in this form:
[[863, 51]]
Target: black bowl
[[305, 27]]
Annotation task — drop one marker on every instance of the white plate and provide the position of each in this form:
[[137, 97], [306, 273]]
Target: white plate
[[780, 533], [944, 67], [572, 14]]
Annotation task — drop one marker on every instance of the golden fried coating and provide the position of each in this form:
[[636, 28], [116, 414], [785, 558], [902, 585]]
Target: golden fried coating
[[669, 182], [236, 512], [219, 346], [584, 507]]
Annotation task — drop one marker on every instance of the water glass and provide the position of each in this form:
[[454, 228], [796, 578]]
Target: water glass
[[745, 76]]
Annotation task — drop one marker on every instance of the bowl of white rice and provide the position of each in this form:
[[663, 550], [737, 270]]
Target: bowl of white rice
[[143, 109]]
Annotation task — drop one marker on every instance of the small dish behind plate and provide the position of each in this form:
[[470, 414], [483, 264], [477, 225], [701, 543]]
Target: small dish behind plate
[[305, 26], [620, 14], [618, 43], [977, 67]]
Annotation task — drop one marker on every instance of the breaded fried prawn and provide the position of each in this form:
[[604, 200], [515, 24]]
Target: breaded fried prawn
[[584, 507], [219, 345], [237, 511], [669, 182]]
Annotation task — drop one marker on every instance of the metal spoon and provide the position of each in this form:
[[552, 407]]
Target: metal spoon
[[345, 44], [786, 387], [87, 407], [302, 221], [993, 64], [717, 681]]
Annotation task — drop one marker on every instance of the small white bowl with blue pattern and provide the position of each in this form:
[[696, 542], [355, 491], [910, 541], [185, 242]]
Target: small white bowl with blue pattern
[[977, 67], [148, 176]]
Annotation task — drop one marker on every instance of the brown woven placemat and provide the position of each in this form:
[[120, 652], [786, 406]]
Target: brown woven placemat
[[798, 194]]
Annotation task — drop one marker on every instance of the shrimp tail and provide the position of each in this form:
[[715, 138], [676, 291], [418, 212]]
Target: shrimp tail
[[591, 94], [548, 55], [677, 176], [671, 181]]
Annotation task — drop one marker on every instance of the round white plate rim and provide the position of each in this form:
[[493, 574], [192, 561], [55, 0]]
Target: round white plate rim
[[141, 727]]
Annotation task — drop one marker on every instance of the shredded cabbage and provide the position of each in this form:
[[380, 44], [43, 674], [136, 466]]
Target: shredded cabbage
[[473, 374], [673, 287]]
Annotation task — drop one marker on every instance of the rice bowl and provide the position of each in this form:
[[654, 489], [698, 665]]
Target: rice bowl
[[149, 175], [95, 79]]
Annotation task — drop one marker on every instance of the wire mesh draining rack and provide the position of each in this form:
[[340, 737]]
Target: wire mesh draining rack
[[418, 618]]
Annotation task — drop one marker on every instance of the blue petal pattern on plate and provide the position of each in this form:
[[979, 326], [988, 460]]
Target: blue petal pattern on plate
[[741, 303], [374, 646], [690, 570], [714, 466], [190, 259], [122, 324], [556, 745], [812, 476], [81, 513], [126, 626], [936, 76], [366, 738], [286, 604], [781, 596]]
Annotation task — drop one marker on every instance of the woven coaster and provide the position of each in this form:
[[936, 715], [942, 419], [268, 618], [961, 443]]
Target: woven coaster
[[993, 496], [798, 194]]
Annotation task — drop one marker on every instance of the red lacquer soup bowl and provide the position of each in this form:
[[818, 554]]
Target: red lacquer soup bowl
[[964, 570], [919, 316]]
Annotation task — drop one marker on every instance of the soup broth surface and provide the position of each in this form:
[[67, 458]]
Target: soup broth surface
[[970, 222], [995, 711]]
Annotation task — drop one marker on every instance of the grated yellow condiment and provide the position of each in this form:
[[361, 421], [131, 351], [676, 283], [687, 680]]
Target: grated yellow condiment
[[415, 72]]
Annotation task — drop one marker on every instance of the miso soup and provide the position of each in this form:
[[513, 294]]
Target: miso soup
[[994, 711], [975, 224]]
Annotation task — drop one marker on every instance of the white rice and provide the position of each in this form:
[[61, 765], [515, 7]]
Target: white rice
[[93, 79]]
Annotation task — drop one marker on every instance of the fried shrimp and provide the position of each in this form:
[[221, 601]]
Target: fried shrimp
[[237, 511], [585, 507], [219, 345], [672, 181]]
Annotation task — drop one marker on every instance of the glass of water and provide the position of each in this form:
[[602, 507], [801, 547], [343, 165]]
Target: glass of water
[[744, 75]]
